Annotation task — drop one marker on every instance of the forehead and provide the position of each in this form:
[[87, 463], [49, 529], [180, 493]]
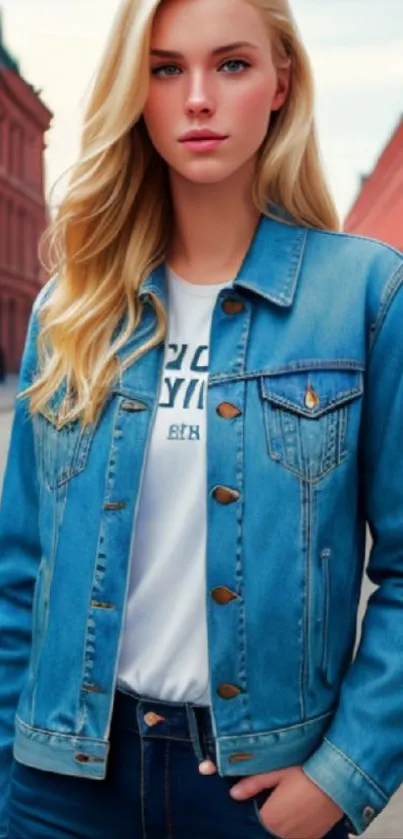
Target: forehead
[[190, 23]]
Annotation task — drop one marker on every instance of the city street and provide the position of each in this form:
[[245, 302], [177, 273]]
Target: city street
[[389, 825]]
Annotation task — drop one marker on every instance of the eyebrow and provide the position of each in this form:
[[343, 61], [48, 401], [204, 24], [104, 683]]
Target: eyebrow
[[236, 45]]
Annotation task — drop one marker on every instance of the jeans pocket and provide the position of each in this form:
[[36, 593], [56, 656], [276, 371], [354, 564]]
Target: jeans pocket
[[258, 802]]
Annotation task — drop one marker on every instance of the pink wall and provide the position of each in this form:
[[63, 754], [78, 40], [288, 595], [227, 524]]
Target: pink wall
[[378, 210], [24, 119]]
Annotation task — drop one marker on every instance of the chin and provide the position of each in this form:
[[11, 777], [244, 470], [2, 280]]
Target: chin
[[208, 180], [205, 174]]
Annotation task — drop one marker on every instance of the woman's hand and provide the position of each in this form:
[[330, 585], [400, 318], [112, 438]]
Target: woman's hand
[[296, 809]]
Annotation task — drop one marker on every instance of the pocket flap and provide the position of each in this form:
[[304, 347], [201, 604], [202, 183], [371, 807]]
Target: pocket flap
[[312, 393]]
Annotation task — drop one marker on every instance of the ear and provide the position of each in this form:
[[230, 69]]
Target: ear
[[283, 86]]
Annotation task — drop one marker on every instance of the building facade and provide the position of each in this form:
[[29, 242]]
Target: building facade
[[378, 209], [24, 119]]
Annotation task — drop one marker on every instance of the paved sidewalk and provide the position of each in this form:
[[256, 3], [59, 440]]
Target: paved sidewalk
[[8, 390]]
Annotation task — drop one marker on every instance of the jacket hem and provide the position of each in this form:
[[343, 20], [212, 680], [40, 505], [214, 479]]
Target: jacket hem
[[247, 754], [62, 753], [250, 754], [344, 782]]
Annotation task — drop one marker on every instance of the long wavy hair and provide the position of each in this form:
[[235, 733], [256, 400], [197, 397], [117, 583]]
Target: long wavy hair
[[114, 223]]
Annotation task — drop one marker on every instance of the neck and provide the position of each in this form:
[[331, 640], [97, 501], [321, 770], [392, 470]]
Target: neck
[[214, 226]]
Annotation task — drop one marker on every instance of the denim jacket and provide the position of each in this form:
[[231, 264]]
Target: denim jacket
[[307, 345]]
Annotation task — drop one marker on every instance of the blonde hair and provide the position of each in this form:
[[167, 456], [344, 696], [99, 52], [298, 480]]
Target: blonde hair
[[114, 224]]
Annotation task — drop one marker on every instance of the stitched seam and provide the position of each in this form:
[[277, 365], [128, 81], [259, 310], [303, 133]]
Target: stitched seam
[[286, 296], [308, 479], [310, 499], [304, 490], [299, 252], [390, 292], [58, 512], [358, 769], [73, 737], [142, 789], [259, 734], [88, 657], [167, 795], [294, 367], [325, 608], [356, 237], [272, 396]]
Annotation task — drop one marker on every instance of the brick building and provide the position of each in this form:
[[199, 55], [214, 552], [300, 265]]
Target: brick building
[[24, 119], [378, 209]]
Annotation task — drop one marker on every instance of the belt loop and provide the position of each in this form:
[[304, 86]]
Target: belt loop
[[140, 717], [194, 731]]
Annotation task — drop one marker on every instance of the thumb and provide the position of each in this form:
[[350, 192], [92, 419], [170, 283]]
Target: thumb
[[256, 783]]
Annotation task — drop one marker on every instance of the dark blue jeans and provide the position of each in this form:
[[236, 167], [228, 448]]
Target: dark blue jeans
[[153, 789]]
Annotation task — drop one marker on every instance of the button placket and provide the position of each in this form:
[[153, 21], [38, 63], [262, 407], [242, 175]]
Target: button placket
[[225, 495], [223, 595], [227, 410], [233, 306], [228, 691]]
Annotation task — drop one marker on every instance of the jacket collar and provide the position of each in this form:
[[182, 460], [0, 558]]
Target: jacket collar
[[271, 267]]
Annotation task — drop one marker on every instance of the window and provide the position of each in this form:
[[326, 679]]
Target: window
[[2, 132], [9, 225]]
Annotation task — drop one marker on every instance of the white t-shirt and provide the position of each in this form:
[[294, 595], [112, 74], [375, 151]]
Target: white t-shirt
[[164, 645]]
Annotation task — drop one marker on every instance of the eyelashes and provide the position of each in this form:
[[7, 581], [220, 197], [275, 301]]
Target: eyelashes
[[165, 70], [239, 61]]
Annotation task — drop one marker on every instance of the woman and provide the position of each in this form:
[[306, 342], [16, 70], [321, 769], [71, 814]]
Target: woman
[[178, 608]]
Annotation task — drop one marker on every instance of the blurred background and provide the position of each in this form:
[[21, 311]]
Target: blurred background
[[49, 53]]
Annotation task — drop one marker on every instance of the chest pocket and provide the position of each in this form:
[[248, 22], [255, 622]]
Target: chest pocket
[[309, 418], [61, 453]]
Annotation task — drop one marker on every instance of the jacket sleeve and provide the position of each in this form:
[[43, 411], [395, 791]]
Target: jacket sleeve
[[20, 553], [359, 764]]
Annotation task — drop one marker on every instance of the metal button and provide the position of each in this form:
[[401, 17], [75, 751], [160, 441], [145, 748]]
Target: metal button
[[80, 758], [228, 691], [228, 411], [225, 495], [232, 306], [240, 757], [151, 718], [368, 814], [223, 595], [311, 398]]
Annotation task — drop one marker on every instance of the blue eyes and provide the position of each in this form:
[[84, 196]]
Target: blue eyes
[[238, 62], [235, 65], [164, 70]]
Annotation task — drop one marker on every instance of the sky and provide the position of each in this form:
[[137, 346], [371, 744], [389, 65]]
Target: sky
[[355, 46]]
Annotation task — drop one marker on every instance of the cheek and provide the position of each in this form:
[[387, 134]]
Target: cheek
[[156, 113], [252, 109], [152, 117]]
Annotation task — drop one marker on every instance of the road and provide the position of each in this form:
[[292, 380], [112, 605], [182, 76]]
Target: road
[[389, 825]]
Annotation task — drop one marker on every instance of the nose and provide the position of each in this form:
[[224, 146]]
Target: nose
[[199, 99]]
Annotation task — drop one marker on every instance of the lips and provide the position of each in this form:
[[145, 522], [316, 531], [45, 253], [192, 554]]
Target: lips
[[202, 134]]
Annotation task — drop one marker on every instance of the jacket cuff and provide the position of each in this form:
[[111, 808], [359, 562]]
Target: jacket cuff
[[354, 792]]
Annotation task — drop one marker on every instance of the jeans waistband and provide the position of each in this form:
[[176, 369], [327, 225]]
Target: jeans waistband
[[154, 718]]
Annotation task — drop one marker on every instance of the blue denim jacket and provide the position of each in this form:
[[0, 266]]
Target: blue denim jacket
[[307, 345]]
